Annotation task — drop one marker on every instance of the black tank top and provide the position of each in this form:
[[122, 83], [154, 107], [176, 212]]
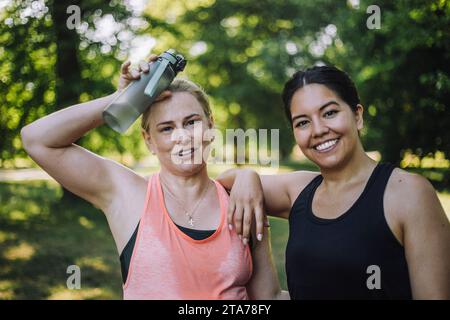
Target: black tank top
[[332, 258]]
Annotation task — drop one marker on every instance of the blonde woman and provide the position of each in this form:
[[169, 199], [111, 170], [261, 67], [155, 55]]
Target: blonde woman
[[170, 228]]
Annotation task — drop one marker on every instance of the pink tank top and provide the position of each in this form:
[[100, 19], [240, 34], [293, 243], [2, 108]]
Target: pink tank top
[[168, 264]]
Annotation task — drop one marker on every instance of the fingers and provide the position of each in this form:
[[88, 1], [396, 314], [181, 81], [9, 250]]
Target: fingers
[[259, 216], [165, 94], [125, 66], [135, 74], [130, 74], [238, 216], [266, 221], [152, 57], [247, 222], [230, 212], [127, 74], [144, 66]]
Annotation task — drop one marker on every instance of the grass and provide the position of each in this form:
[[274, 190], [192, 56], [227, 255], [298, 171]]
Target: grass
[[41, 235], [444, 197]]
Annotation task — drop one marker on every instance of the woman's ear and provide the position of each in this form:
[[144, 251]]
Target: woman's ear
[[210, 132], [148, 141], [359, 117], [211, 122]]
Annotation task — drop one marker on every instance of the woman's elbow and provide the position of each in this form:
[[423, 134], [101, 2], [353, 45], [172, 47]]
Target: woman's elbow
[[30, 140], [26, 137]]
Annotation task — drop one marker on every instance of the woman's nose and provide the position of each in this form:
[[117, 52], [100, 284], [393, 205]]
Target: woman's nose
[[181, 136], [319, 128]]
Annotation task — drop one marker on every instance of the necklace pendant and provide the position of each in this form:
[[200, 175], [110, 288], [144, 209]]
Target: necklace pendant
[[191, 221]]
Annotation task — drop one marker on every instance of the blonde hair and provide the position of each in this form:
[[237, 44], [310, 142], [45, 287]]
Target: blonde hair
[[182, 85]]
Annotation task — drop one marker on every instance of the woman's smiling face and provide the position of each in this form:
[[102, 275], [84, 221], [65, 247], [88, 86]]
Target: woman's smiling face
[[325, 127], [177, 133]]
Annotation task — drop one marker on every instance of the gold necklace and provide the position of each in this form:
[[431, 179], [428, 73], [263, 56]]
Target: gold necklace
[[182, 205]]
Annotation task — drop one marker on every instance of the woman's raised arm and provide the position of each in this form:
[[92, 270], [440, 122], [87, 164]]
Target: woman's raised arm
[[50, 143]]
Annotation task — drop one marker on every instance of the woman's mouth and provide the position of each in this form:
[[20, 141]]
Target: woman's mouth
[[185, 152], [326, 146]]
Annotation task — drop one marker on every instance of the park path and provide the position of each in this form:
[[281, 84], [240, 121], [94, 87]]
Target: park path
[[38, 174], [23, 174]]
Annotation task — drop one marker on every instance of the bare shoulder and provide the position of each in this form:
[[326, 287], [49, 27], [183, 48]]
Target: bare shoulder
[[409, 194], [290, 180], [426, 233], [297, 181], [281, 190], [410, 186]]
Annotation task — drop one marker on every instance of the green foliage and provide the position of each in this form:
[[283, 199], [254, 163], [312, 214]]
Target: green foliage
[[27, 83], [402, 72], [241, 52], [45, 67], [245, 62], [251, 48]]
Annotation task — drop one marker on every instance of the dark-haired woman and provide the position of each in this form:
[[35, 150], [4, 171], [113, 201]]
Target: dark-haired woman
[[358, 229]]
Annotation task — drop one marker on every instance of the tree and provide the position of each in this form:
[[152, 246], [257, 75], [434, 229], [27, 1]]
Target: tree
[[249, 49], [46, 66], [241, 52], [402, 71]]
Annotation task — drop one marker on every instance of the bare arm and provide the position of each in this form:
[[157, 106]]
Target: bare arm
[[271, 190], [426, 235], [50, 142], [264, 284], [252, 194]]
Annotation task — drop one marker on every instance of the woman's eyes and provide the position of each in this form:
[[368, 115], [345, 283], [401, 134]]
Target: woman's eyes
[[192, 122], [301, 124], [330, 113], [187, 124], [166, 129]]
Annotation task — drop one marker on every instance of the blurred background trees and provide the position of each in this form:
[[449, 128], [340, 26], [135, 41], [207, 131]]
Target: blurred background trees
[[241, 52]]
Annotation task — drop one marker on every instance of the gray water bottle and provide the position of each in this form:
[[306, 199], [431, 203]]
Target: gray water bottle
[[123, 111]]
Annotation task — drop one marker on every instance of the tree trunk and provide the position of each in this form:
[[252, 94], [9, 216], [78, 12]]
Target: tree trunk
[[68, 71]]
